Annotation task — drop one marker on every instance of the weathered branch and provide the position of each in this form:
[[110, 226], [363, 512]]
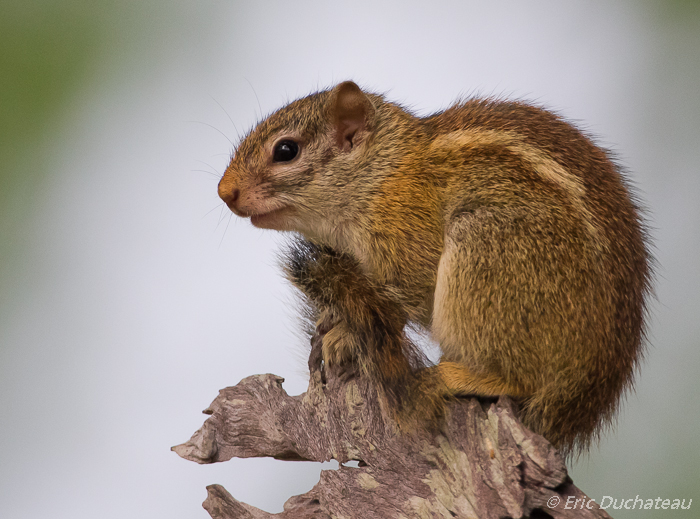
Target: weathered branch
[[482, 463]]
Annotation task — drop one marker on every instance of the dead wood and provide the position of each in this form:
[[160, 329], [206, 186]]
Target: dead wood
[[482, 463]]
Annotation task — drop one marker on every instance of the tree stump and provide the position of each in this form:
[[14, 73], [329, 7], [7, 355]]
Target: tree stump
[[481, 463]]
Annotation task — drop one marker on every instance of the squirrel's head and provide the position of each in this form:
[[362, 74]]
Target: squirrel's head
[[294, 168]]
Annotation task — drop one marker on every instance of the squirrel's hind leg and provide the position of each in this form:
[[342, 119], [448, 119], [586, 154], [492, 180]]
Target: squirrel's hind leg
[[458, 380], [482, 292]]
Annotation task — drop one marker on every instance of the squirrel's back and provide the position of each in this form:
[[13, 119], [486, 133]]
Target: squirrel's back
[[563, 270]]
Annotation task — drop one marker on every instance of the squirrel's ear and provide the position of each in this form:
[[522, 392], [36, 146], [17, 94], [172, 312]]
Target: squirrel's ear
[[351, 114]]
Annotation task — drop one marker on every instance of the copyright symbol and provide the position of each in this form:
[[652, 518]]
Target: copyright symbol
[[553, 502]]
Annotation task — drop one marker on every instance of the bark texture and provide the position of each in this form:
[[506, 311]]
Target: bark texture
[[481, 463]]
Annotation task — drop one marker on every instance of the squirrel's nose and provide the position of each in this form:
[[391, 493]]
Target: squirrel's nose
[[230, 196]]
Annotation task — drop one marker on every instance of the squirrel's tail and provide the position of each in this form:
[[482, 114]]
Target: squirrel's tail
[[375, 319], [571, 413]]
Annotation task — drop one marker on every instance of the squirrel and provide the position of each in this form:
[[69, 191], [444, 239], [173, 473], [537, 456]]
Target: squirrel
[[495, 225]]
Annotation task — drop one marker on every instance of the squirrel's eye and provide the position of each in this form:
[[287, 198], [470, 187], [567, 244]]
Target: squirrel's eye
[[285, 151]]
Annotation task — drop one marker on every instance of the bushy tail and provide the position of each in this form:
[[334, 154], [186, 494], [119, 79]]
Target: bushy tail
[[571, 412], [333, 283]]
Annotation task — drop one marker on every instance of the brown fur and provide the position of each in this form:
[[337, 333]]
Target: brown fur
[[496, 225]]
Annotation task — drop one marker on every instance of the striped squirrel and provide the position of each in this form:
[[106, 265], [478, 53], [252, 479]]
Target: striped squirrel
[[495, 225]]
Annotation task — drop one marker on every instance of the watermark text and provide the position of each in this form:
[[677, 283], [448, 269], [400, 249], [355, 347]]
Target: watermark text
[[633, 503]]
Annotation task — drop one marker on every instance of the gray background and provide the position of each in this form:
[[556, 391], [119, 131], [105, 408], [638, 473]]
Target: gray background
[[128, 297]]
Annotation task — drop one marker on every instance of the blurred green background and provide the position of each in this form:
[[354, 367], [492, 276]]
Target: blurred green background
[[126, 302]]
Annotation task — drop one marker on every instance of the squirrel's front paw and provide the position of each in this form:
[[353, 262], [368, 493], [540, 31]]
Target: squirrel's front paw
[[339, 345], [336, 345], [340, 352]]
